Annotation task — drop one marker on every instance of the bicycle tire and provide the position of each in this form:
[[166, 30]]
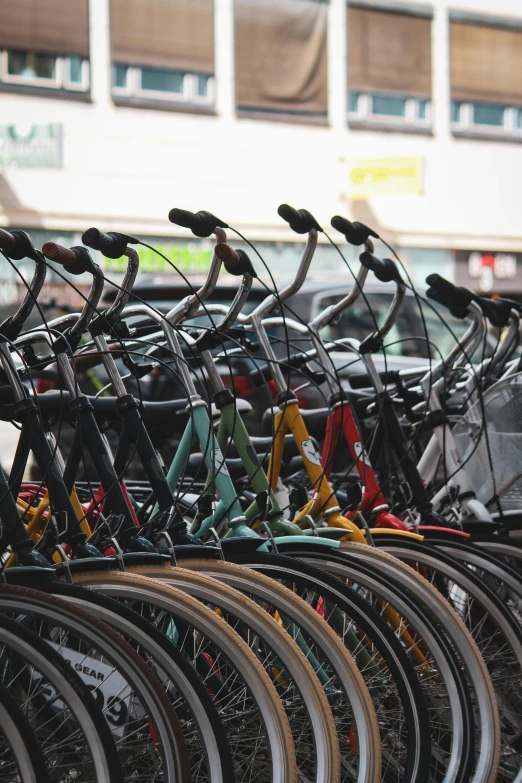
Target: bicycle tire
[[21, 756], [210, 758], [155, 749], [508, 635], [280, 762], [308, 710], [440, 628], [409, 758], [94, 754], [267, 591]]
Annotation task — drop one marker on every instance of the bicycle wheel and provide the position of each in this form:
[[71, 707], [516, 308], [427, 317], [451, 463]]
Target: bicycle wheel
[[301, 693], [355, 720], [437, 645], [21, 757], [146, 730], [391, 681], [493, 628], [492, 571], [257, 727], [70, 729], [509, 553], [207, 745]]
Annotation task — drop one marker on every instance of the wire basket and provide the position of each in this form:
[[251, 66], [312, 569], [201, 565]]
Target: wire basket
[[495, 420]]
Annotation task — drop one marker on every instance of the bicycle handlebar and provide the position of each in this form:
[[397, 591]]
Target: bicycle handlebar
[[355, 233], [272, 301], [332, 313], [17, 245], [456, 298], [7, 241], [111, 245], [20, 246], [75, 260], [300, 220], [386, 270], [202, 223], [497, 311], [236, 262]]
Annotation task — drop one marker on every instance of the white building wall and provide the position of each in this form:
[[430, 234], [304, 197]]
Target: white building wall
[[124, 168]]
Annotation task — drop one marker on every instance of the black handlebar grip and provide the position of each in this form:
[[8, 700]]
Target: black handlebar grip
[[202, 224], [355, 233], [300, 220], [182, 217], [236, 262], [385, 270], [75, 260], [260, 376], [441, 284], [497, 311], [243, 266], [456, 298], [111, 245], [296, 360], [361, 380]]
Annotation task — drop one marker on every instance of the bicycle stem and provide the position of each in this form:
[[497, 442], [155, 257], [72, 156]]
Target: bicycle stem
[[184, 309]]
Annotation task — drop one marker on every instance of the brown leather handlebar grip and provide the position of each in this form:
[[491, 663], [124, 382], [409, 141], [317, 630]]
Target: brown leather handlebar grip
[[227, 254], [7, 240], [62, 255]]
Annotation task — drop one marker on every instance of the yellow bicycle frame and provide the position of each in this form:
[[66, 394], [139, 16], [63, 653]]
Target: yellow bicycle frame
[[289, 419], [37, 520]]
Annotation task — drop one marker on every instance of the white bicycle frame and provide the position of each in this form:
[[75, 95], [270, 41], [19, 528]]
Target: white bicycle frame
[[442, 443]]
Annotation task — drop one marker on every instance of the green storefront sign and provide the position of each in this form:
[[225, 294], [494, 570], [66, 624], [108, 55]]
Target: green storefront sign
[[185, 258]]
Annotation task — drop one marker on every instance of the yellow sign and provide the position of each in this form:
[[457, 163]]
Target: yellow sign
[[385, 177]]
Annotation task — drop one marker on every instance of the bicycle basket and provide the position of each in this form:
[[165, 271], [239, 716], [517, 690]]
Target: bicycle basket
[[496, 420]]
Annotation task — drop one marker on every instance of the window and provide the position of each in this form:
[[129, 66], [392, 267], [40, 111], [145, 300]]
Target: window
[[389, 67], [281, 56], [486, 118], [397, 109], [30, 66], [74, 70], [162, 80], [162, 84], [486, 90], [422, 109], [45, 43], [44, 70], [163, 50], [120, 75], [488, 114], [202, 85], [353, 102], [389, 105], [456, 107]]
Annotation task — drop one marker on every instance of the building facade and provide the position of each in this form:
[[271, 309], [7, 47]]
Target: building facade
[[405, 115]]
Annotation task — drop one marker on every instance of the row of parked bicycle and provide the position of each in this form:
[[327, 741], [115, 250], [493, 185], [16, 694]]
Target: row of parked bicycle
[[339, 600]]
